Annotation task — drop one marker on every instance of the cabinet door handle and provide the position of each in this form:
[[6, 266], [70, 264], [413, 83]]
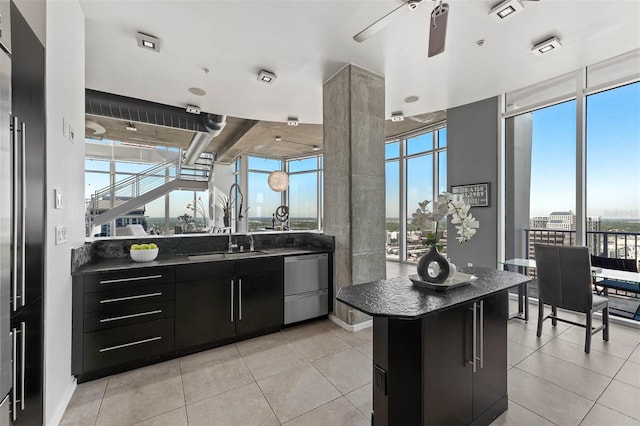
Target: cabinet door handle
[[240, 299], [157, 311], [122, 280], [482, 334], [14, 365], [231, 300], [23, 161], [139, 296], [137, 342], [475, 337], [23, 344]]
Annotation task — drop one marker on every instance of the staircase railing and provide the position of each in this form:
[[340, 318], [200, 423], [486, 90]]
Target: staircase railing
[[150, 179]]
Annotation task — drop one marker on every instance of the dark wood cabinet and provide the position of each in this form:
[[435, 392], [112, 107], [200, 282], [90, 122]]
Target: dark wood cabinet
[[122, 318], [229, 299], [260, 295], [204, 304], [424, 372], [26, 328], [28, 108], [135, 316]]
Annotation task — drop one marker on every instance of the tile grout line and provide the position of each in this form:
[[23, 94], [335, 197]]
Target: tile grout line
[[259, 388], [184, 394], [533, 412]]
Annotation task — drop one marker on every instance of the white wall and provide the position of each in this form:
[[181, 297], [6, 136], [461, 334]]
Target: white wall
[[65, 172]]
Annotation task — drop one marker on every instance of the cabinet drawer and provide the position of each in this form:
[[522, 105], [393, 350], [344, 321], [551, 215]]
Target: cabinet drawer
[[117, 316], [131, 296], [120, 345], [127, 279]]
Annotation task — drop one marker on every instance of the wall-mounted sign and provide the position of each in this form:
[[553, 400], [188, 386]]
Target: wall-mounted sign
[[476, 195]]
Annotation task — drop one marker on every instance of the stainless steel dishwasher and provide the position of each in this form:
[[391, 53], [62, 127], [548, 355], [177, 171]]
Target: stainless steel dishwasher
[[306, 287]]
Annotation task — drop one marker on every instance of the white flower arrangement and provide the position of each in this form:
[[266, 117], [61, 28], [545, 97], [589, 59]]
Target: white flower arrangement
[[447, 204]]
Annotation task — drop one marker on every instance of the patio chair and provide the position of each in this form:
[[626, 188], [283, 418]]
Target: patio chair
[[629, 288], [564, 281]]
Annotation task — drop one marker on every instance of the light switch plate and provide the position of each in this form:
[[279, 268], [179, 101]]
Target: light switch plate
[[61, 235], [65, 127], [57, 195]]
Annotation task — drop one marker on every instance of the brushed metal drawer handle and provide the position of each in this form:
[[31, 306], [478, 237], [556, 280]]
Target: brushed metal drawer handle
[[139, 296], [141, 314], [138, 342], [122, 280]]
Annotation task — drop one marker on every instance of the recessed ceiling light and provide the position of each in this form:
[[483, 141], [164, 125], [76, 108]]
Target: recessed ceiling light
[[266, 76], [315, 148], [197, 91], [411, 99], [148, 42], [132, 127], [397, 116], [192, 109], [546, 46], [505, 9], [292, 121], [278, 138]]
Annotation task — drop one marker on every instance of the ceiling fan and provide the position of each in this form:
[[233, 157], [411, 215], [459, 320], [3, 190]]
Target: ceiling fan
[[437, 24]]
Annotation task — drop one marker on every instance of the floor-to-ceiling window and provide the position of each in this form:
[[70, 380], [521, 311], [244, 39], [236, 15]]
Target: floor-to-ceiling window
[[392, 199], [304, 193], [572, 171], [261, 201], [613, 172], [415, 171]]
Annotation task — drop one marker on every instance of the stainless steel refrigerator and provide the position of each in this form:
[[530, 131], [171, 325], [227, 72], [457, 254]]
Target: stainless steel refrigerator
[[6, 214]]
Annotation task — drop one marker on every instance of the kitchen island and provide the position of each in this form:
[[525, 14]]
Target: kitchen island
[[438, 357]]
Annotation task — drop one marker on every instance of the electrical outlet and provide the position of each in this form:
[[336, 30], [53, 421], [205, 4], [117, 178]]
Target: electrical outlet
[[61, 235]]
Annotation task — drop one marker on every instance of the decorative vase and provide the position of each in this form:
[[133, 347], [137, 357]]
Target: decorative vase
[[433, 267], [226, 220]]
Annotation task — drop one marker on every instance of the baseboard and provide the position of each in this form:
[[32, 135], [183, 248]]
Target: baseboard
[[57, 416], [612, 318], [352, 328]]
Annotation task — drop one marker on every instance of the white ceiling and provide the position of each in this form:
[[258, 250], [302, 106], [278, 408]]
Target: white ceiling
[[305, 42]]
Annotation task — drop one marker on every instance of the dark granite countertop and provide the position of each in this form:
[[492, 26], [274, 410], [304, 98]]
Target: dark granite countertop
[[399, 298], [123, 263]]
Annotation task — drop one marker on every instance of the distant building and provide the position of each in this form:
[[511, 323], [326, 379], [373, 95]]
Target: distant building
[[562, 220]]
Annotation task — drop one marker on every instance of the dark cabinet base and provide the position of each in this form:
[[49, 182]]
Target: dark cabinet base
[[423, 369]]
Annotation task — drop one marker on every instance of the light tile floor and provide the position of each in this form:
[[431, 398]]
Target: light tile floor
[[319, 374]]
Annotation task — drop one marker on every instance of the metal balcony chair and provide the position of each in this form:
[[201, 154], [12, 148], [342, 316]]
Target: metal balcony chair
[[564, 281]]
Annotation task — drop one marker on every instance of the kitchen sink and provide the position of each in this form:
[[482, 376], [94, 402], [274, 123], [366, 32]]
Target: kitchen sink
[[225, 255]]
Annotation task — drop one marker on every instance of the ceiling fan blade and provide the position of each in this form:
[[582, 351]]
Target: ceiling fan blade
[[383, 22], [438, 29]]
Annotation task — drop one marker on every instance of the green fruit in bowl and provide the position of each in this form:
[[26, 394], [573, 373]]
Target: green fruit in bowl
[[153, 246], [144, 247], [136, 247]]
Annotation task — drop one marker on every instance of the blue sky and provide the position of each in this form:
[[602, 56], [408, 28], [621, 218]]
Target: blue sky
[[613, 155]]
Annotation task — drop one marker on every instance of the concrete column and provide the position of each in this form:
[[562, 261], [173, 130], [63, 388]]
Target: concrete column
[[354, 179]]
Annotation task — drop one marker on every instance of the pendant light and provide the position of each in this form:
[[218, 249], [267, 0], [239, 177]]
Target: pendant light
[[278, 181]]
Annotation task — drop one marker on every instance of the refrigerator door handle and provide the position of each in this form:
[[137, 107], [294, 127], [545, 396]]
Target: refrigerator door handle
[[23, 255], [23, 345], [14, 278], [14, 367]]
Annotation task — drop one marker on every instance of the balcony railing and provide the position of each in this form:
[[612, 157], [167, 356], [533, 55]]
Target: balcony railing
[[613, 244]]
